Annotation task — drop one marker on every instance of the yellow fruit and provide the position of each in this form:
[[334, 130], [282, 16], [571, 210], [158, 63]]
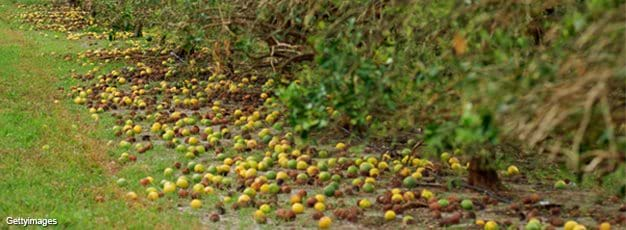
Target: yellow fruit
[[324, 222], [605, 226], [480, 222], [295, 199], [491, 225], [153, 195], [409, 196], [302, 165], [297, 208], [137, 129], [580, 227], [426, 194], [512, 170], [183, 183], [319, 206], [390, 215], [320, 198], [397, 198], [169, 187], [193, 141], [250, 173], [199, 188], [131, 195], [195, 204], [340, 146], [265, 188], [259, 216], [365, 203], [569, 225], [243, 199], [418, 175], [265, 208]]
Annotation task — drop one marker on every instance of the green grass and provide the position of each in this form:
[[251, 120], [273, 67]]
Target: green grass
[[63, 181]]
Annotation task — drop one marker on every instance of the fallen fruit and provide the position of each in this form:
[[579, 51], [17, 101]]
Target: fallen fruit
[[259, 217], [480, 222], [265, 208], [407, 220], [319, 206], [340, 146], [569, 225], [324, 222], [409, 182], [605, 226], [491, 225], [427, 194], [365, 203], [297, 208], [533, 224], [153, 196], [195, 204], [467, 204], [560, 184], [443, 203], [512, 170], [131, 196], [390, 215]]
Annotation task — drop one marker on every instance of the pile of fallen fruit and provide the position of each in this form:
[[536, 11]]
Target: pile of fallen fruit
[[232, 150], [71, 21]]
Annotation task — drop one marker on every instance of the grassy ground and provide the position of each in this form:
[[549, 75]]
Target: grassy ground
[[64, 180]]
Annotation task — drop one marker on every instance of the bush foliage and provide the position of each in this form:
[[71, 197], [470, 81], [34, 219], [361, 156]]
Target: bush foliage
[[548, 75]]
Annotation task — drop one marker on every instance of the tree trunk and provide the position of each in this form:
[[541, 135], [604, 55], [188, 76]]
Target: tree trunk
[[483, 174], [74, 3], [139, 30]]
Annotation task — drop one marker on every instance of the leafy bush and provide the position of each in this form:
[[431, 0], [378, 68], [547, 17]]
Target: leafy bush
[[547, 74]]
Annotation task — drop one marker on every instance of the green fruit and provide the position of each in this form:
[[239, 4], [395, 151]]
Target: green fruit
[[467, 204], [365, 167], [324, 176], [302, 177], [368, 187], [353, 169], [292, 164], [445, 157], [443, 203], [250, 192], [181, 148], [212, 169], [122, 182], [533, 224], [196, 177], [560, 184], [227, 181], [271, 175], [409, 182], [334, 184], [274, 188], [168, 172], [336, 178], [322, 166], [329, 190], [266, 139]]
